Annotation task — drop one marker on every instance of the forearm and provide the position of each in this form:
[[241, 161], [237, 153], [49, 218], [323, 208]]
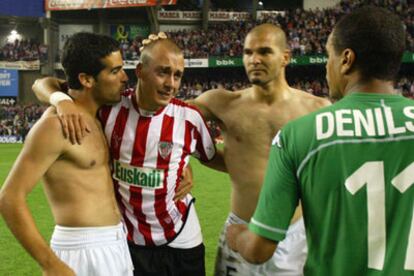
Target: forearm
[[43, 88], [253, 248], [20, 221]]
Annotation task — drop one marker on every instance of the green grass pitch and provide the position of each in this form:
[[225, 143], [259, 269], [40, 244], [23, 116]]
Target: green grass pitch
[[212, 191]]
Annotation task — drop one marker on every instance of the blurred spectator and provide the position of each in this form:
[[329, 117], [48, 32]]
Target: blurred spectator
[[17, 120], [27, 50]]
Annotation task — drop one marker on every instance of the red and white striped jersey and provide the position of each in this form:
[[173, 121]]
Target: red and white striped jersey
[[149, 152]]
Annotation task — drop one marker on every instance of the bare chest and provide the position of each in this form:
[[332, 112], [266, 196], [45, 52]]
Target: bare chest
[[254, 125], [92, 153]]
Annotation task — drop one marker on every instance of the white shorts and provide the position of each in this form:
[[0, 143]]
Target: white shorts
[[288, 259], [93, 251], [190, 235]]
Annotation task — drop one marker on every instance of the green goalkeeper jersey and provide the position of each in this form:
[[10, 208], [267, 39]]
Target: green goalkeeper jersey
[[351, 165]]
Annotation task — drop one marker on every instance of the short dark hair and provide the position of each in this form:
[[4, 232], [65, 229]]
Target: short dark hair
[[82, 53], [377, 37]]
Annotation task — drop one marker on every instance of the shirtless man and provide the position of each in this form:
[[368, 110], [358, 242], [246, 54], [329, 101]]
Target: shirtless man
[[356, 181], [151, 136], [249, 120], [89, 238]]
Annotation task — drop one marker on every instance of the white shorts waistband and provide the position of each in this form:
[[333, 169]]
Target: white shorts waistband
[[234, 219], [80, 237]]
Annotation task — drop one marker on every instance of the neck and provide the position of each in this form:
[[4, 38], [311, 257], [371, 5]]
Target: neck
[[370, 86], [141, 100], [85, 101], [272, 91]]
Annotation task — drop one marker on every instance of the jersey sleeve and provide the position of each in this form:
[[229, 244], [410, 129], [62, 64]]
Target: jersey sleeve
[[205, 148], [279, 195]]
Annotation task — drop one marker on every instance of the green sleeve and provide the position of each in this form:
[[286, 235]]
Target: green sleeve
[[279, 195]]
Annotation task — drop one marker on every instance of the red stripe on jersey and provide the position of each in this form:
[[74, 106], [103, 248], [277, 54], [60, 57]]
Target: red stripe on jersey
[[199, 145], [138, 156], [116, 139], [186, 150], [104, 114], [140, 142], [163, 160], [136, 203], [118, 132], [122, 208], [197, 135]]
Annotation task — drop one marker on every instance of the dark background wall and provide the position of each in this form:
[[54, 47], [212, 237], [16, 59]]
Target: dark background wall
[[32, 8]]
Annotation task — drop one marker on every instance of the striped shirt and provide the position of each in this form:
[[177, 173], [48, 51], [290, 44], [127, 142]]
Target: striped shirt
[[149, 152]]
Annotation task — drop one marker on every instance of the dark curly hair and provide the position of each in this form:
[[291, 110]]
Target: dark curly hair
[[83, 52]]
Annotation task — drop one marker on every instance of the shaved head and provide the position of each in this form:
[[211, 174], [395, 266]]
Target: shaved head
[[160, 45], [270, 29]]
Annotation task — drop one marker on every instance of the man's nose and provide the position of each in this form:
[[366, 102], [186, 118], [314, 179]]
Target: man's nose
[[255, 58], [124, 76], [170, 81]]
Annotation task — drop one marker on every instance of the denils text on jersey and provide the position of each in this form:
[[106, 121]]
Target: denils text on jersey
[[363, 123]]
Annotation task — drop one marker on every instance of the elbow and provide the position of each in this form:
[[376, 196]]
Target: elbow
[[35, 85], [7, 202], [259, 252], [257, 258], [3, 200]]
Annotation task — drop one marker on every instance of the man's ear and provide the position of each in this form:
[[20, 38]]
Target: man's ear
[[138, 70], [347, 61], [86, 80], [286, 57]]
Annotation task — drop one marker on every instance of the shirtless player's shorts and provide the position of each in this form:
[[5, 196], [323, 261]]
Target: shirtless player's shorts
[[288, 259]]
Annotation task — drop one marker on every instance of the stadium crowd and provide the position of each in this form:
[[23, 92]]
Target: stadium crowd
[[17, 120], [307, 31], [27, 50]]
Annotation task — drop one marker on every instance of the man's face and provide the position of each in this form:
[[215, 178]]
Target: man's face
[[160, 78], [333, 75], [111, 80], [262, 58]]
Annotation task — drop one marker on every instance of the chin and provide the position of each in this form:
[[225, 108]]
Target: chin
[[163, 103], [335, 95], [256, 81]]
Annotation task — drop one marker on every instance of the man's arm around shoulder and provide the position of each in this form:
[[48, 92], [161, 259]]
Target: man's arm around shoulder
[[44, 88], [209, 103], [73, 123], [43, 146]]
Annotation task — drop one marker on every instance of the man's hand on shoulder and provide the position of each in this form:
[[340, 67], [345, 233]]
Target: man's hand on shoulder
[[73, 122]]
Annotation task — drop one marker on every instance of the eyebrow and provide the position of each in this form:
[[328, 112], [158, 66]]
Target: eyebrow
[[161, 67], [259, 49], [116, 68]]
